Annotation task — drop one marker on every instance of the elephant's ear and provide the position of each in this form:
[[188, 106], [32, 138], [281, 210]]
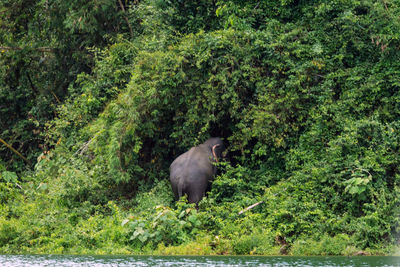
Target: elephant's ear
[[213, 152]]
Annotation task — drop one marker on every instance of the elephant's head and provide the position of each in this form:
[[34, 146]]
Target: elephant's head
[[216, 146]]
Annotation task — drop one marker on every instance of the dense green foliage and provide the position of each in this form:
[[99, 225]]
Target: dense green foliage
[[101, 96]]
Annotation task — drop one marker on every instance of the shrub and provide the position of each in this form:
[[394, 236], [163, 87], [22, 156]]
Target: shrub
[[164, 225], [255, 243], [326, 245]]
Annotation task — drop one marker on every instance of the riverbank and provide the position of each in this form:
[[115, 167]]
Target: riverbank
[[43, 231]]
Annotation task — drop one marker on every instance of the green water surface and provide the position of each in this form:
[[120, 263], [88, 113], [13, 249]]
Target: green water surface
[[75, 260]]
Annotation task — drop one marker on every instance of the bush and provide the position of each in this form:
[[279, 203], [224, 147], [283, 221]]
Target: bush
[[256, 243], [159, 195], [164, 225], [326, 245]]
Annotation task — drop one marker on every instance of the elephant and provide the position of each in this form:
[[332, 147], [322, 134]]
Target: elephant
[[193, 172]]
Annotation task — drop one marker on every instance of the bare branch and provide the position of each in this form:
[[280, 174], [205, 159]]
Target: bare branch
[[386, 7], [40, 49], [125, 17], [35, 91], [250, 207], [15, 151]]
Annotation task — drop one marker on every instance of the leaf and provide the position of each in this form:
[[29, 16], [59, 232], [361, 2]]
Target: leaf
[[42, 186], [10, 177], [354, 190], [181, 214], [139, 232], [358, 181], [143, 238], [193, 219]]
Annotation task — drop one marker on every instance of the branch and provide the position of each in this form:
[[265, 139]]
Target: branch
[[384, 2], [250, 207], [40, 49], [15, 151], [85, 145], [55, 96], [126, 18], [35, 91]]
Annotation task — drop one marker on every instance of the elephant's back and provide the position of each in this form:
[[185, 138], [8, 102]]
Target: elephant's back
[[195, 159], [179, 164]]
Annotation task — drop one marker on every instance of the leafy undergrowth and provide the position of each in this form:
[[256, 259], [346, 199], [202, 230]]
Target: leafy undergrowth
[[153, 228]]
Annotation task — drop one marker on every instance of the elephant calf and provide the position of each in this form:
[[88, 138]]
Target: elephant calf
[[192, 172]]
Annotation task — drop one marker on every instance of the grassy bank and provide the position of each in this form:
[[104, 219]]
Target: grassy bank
[[44, 226]]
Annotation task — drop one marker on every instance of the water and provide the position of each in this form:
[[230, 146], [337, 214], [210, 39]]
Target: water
[[73, 260]]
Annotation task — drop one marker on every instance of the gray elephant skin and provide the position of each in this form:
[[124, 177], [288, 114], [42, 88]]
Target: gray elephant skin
[[193, 172]]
